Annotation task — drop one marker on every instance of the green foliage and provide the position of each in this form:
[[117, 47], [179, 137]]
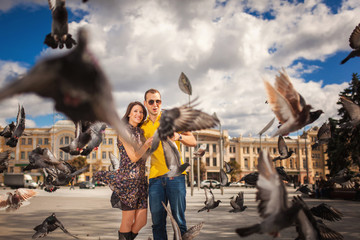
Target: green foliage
[[343, 147], [78, 162], [235, 172]]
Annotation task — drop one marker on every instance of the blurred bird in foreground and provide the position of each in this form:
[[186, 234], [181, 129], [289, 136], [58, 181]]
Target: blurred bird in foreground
[[354, 42], [50, 224], [191, 233], [77, 84], [237, 202], [323, 135], [59, 28], [289, 106], [14, 200], [210, 201], [273, 206]]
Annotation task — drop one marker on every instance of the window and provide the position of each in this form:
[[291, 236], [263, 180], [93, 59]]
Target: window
[[304, 163], [207, 147], [186, 149], [39, 141], [46, 141], [187, 159], [104, 141], [22, 155], [61, 154], [103, 155], [62, 141], [110, 141], [93, 155], [246, 163], [207, 161], [214, 162], [232, 159], [23, 141], [29, 141], [66, 140], [291, 163], [214, 148]]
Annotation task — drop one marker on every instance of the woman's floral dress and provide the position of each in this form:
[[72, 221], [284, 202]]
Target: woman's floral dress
[[129, 184]]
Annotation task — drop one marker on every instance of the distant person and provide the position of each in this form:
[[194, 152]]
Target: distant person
[[129, 183]]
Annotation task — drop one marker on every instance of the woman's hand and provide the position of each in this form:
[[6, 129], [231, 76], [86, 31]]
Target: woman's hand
[[148, 142]]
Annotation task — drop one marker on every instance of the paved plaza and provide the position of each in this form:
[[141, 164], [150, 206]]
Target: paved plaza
[[87, 213]]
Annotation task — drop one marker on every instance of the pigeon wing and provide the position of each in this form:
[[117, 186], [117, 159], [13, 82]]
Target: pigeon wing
[[4, 201], [227, 167], [240, 199], [267, 127], [115, 162], [351, 108], [354, 39], [52, 5], [61, 226], [224, 180], [271, 191], [327, 212], [184, 84], [192, 232], [324, 132], [177, 232], [210, 200], [283, 149], [25, 194], [4, 156], [20, 122]]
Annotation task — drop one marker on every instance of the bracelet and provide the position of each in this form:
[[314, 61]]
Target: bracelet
[[180, 137]]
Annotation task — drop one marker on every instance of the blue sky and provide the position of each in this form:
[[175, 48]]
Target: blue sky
[[143, 44]]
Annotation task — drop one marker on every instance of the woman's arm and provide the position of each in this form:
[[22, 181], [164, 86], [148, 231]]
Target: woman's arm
[[136, 154]]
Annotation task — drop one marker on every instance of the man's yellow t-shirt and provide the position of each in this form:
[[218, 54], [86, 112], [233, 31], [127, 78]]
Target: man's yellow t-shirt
[[158, 165]]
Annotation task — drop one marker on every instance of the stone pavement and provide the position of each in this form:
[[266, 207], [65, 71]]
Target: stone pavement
[[88, 214]]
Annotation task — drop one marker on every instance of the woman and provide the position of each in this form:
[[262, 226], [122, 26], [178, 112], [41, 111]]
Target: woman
[[129, 184]]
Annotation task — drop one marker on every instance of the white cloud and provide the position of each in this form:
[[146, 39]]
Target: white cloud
[[225, 51]]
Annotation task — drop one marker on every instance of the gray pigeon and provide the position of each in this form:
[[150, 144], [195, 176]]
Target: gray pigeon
[[4, 160], [82, 137], [289, 106], [323, 135], [326, 212], [237, 203], [224, 180], [50, 224], [97, 131], [200, 151], [352, 109], [59, 28], [19, 128], [115, 162], [77, 84], [185, 84], [8, 130], [190, 234], [283, 150], [273, 206], [305, 190], [57, 177], [210, 202], [354, 42]]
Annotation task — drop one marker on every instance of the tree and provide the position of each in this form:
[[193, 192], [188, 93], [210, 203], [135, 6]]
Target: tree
[[235, 173], [78, 162], [344, 145]]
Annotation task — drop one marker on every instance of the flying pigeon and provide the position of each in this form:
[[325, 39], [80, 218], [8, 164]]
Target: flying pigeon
[[4, 160], [14, 200], [283, 150], [310, 228], [184, 84], [323, 135], [354, 42], [8, 130], [96, 132], [283, 175], [115, 162], [237, 202], [352, 109], [305, 190], [228, 167], [289, 106], [343, 177], [273, 206], [326, 212], [210, 201], [57, 177], [77, 84], [59, 28], [200, 151], [250, 178], [19, 128], [82, 137], [50, 224], [224, 180], [44, 158], [190, 234]]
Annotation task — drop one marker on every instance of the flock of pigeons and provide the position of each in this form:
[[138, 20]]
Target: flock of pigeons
[[82, 92]]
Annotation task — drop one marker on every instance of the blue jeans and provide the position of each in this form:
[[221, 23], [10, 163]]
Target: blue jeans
[[166, 190]]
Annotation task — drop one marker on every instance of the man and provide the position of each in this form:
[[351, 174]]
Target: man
[[164, 189]]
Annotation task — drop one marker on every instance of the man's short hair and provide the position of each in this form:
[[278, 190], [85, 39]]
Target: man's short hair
[[151, 90]]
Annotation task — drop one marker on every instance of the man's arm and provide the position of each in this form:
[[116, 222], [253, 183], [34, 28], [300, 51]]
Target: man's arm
[[186, 138]]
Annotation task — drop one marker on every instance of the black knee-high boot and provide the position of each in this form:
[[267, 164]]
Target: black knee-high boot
[[133, 235], [125, 236]]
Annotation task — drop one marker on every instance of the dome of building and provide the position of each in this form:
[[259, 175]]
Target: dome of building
[[63, 123]]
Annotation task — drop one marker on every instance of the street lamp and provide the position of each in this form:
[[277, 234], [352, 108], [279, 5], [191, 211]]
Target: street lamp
[[306, 157], [265, 129], [221, 150]]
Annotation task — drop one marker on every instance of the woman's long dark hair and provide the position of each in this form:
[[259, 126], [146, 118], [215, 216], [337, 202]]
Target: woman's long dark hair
[[128, 110]]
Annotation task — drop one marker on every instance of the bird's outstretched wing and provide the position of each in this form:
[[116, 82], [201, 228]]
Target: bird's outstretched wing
[[327, 212], [267, 127], [224, 180], [351, 108], [209, 196], [61, 226], [25, 194], [354, 40], [184, 84], [174, 224], [115, 162]]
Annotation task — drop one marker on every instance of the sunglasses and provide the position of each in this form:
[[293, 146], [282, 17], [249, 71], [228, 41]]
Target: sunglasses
[[151, 102]]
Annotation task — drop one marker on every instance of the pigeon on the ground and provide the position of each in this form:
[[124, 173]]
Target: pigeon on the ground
[[184, 84], [250, 178], [237, 202], [283, 150], [326, 212], [228, 167], [353, 110], [14, 200], [8, 130], [200, 151], [115, 162], [77, 84], [310, 228], [4, 160], [323, 135], [273, 206], [50, 224], [305, 190], [59, 28], [97, 131], [210, 202], [354, 42], [224, 180], [289, 106], [82, 137], [190, 234], [179, 119], [19, 128]]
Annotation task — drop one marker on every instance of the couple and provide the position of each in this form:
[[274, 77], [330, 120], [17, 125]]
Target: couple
[[130, 187]]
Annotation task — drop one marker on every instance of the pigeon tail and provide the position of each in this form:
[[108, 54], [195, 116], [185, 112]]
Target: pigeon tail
[[246, 231], [177, 171], [65, 149], [12, 142]]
